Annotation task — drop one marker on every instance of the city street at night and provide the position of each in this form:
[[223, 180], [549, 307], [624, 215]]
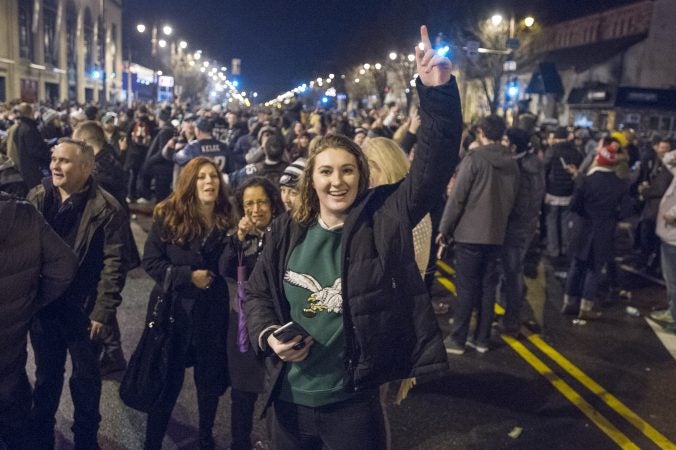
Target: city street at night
[[600, 385], [344, 224]]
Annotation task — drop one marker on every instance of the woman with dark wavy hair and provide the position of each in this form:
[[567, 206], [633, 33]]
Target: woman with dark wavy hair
[[259, 202], [187, 238], [342, 268]]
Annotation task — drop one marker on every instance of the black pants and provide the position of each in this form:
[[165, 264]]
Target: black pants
[[207, 401], [513, 285], [52, 337], [351, 424], [111, 343], [241, 418], [163, 179], [476, 280]]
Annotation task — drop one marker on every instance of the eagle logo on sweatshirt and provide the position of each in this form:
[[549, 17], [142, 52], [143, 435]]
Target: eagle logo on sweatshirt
[[321, 298]]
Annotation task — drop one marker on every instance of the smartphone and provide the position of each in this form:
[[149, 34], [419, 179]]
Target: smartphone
[[289, 331]]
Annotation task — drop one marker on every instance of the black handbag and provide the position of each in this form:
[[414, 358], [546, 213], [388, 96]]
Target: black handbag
[[147, 377]]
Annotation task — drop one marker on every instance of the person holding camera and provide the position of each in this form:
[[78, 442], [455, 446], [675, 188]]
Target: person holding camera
[[341, 269]]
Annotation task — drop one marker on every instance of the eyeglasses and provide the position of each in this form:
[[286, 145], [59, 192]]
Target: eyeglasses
[[260, 203]]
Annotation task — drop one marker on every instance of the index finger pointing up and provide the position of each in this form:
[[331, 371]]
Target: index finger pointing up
[[425, 38]]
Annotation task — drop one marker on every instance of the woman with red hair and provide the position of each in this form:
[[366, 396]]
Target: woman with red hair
[[182, 251]]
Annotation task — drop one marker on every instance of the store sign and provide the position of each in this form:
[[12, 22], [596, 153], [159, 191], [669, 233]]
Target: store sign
[[166, 81]]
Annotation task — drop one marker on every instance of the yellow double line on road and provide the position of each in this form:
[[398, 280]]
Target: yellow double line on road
[[613, 402], [569, 393]]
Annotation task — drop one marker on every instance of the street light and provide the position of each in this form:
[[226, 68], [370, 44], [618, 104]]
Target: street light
[[411, 57], [393, 55], [529, 21], [496, 20], [141, 28], [183, 45], [162, 43], [379, 66], [167, 30]]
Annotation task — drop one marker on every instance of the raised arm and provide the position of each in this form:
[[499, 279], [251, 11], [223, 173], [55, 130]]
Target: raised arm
[[439, 136]]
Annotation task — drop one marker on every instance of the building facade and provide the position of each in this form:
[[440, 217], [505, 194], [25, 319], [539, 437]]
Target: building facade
[[60, 50], [608, 70]]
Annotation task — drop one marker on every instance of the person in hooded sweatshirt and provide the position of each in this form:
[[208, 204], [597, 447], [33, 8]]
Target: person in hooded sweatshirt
[[521, 226], [475, 219]]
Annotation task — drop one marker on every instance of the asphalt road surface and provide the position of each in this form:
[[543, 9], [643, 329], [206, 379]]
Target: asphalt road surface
[[606, 384]]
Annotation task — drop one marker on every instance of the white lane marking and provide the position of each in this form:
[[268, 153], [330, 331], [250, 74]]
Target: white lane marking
[[668, 339]]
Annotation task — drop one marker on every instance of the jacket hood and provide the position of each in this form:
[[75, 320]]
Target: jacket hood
[[497, 155], [7, 214], [530, 163]]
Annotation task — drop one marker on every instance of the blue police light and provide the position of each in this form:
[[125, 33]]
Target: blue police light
[[325, 100], [443, 51], [513, 91], [96, 74], [235, 83]]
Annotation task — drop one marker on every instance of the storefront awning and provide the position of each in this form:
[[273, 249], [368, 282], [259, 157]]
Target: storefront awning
[[545, 80]]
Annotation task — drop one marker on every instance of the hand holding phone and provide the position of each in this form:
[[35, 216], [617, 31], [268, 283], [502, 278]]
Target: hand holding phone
[[291, 342], [289, 331]]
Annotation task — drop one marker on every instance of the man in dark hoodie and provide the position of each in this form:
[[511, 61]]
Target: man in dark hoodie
[[31, 149], [156, 166], [35, 268], [475, 218], [521, 224], [561, 159]]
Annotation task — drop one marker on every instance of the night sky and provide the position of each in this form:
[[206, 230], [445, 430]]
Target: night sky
[[286, 42]]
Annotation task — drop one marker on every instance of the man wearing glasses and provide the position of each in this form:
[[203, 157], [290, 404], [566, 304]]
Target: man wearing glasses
[[91, 222]]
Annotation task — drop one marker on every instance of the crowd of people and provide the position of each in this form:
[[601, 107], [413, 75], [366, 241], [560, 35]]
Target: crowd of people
[[332, 221]]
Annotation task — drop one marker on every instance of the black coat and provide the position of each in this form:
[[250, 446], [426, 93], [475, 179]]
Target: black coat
[[35, 268], [101, 246], [203, 316], [34, 156], [559, 181], [599, 201], [155, 163], [390, 328], [247, 370], [523, 218]]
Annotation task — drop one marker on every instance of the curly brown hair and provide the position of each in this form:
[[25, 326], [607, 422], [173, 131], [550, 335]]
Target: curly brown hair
[[179, 214], [308, 202]]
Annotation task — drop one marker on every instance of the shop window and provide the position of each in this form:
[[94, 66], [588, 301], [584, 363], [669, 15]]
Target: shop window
[[653, 123], [665, 124]]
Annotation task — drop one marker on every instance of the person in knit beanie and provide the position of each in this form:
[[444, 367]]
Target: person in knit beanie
[[600, 199], [288, 182]]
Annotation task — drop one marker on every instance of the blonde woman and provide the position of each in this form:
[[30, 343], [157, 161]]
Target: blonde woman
[[388, 165]]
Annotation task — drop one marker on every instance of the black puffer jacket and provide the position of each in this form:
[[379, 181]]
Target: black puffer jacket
[[390, 329], [559, 181], [35, 268]]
